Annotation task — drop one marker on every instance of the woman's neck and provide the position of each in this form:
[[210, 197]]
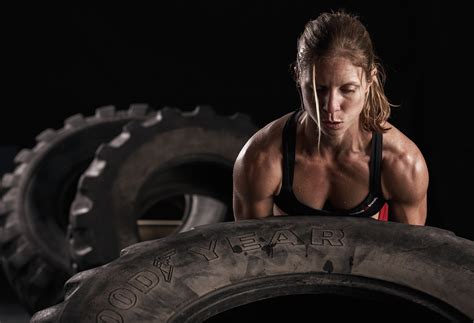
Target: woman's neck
[[353, 140]]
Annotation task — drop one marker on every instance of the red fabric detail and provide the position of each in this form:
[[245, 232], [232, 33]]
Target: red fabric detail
[[383, 213]]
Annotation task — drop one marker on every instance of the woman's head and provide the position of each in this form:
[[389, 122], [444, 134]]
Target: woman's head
[[341, 37]]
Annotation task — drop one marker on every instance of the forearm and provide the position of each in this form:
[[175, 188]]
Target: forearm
[[251, 210], [409, 214]]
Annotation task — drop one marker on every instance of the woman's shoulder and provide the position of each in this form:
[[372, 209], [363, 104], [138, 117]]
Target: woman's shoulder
[[266, 142], [396, 145], [262, 152]]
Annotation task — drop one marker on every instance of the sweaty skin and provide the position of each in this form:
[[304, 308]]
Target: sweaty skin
[[339, 170]]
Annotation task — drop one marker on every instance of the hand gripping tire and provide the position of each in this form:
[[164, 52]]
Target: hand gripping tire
[[199, 274], [174, 153], [35, 208]]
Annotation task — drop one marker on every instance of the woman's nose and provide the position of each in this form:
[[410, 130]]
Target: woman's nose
[[331, 103]]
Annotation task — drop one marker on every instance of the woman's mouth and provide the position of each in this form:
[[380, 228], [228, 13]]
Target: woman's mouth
[[332, 125]]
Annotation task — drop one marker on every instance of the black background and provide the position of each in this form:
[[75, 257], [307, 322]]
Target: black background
[[236, 57]]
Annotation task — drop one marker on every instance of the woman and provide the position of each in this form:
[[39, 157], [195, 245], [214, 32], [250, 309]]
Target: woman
[[337, 155]]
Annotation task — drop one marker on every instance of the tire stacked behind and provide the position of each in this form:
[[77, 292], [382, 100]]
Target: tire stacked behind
[[34, 211], [174, 153]]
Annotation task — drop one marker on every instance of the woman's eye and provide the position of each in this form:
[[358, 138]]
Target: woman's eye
[[348, 90]]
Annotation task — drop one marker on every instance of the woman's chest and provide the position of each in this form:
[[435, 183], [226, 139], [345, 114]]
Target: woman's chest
[[343, 185]]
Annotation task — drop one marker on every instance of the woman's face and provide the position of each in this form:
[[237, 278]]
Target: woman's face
[[341, 90]]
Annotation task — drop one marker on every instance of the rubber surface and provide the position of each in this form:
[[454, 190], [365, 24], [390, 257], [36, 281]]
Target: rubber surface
[[192, 276], [175, 153], [34, 212]]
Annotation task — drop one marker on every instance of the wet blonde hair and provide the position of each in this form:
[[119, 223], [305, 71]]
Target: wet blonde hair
[[342, 34]]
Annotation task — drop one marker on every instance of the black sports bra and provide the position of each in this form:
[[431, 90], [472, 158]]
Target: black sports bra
[[286, 199]]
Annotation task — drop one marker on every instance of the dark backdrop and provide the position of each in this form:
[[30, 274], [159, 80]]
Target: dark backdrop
[[235, 56]]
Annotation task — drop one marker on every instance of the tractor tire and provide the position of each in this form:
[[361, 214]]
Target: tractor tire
[[202, 274], [34, 212], [175, 153]]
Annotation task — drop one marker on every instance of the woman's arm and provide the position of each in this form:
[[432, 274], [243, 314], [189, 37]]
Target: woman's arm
[[405, 181], [255, 181]]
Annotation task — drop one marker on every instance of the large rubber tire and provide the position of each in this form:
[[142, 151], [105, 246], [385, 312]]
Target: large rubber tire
[[175, 153], [35, 208], [192, 276]]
